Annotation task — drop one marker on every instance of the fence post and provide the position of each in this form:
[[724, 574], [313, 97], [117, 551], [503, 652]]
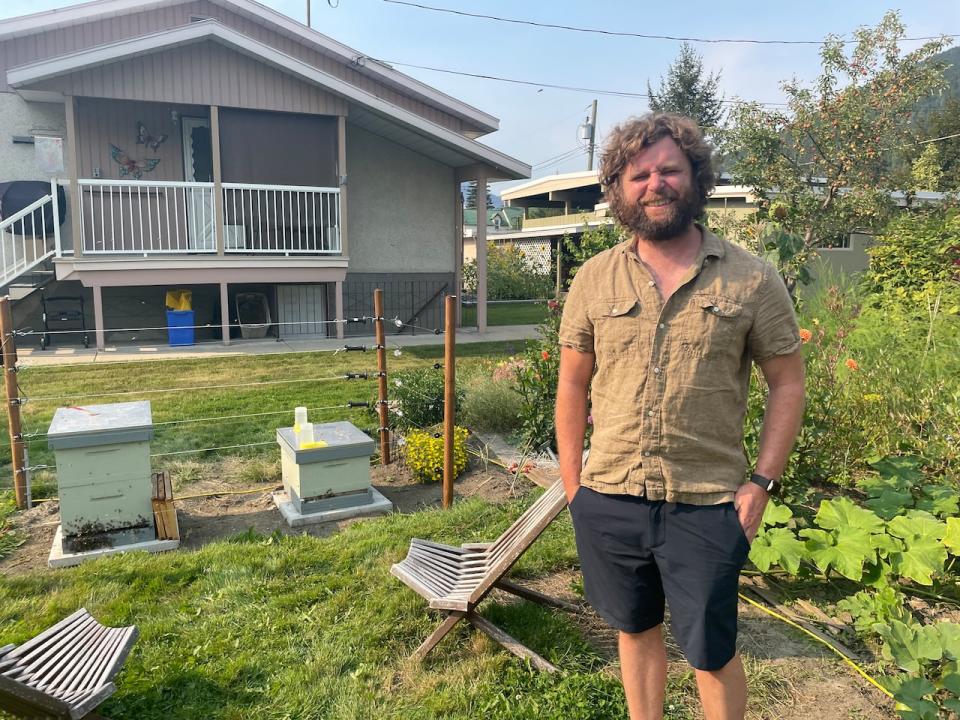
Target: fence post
[[449, 395], [381, 377], [13, 402]]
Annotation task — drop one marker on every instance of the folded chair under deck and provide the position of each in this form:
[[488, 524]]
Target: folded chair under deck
[[456, 579], [66, 671]]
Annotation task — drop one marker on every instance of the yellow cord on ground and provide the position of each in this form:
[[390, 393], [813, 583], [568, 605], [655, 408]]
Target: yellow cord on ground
[[851, 663]]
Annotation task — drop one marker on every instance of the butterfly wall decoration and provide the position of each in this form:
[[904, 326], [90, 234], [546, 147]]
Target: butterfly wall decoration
[[129, 166], [145, 138]]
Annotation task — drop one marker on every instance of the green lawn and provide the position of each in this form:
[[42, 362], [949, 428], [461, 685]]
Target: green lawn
[[515, 313], [301, 627], [77, 385]]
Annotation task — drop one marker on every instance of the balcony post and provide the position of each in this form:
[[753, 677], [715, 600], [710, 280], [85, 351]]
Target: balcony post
[[225, 313], [342, 181], [481, 239], [338, 307], [98, 317], [217, 180], [75, 207]]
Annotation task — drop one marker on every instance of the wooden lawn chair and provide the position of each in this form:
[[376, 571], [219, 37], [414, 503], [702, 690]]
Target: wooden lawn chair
[[456, 579], [66, 671]]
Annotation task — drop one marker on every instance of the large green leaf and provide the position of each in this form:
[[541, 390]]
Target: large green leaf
[[939, 500], [890, 503], [917, 524], [776, 514], [905, 469], [950, 641], [845, 552], [911, 693], [952, 537], [778, 546], [922, 559], [908, 646], [841, 513]]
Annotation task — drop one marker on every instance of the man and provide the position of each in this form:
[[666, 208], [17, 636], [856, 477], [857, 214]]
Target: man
[[670, 320]]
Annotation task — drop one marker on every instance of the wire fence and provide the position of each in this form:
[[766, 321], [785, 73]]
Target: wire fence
[[184, 436]]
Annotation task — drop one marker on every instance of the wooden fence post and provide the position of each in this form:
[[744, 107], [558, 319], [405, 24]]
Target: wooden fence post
[[13, 402], [381, 377], [449, 395]]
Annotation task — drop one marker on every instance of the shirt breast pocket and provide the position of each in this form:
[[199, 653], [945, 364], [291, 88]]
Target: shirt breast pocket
[[713, 326], [616, 326]]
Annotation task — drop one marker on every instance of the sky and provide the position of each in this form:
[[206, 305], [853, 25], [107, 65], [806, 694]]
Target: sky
[[539, 123]]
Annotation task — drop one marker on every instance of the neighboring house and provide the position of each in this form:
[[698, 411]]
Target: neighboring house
[[500, 221], [221, 147], [576, 202]]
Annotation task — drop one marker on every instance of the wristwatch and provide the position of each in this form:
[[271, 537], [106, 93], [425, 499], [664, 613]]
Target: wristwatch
[[771, 486]]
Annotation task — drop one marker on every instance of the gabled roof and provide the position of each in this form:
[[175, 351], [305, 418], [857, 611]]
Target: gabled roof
[[101, 9], [367, 110]]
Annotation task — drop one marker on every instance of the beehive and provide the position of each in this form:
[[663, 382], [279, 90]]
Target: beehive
[[103, 474], [331, 477]]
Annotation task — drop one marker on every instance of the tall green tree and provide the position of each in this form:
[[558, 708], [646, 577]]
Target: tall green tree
[[470, 196], [822, 168], [688, 91]]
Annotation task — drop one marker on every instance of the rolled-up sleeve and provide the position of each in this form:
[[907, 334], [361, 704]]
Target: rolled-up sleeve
[[775, 330], [576, 330]]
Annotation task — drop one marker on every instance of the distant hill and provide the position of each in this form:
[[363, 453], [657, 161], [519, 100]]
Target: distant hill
[[951, 58]]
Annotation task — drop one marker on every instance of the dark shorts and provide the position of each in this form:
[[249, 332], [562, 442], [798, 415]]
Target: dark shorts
[[635, 554]]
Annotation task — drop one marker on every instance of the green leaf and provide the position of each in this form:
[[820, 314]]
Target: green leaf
[[890, 503], [920, 561], [950, 641], [910, 694], [842, 513], [846, 552], [909, 646], [776, 514], [939, 500], [905, 468], [952, 537], [917, 524], [778, 546]]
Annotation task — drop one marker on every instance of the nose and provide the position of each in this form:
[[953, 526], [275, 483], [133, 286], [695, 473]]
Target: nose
[[656, 180]]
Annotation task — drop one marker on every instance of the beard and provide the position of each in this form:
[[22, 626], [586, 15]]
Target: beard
[[686, 208]]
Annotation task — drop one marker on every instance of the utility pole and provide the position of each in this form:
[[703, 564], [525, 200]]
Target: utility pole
[[593, 134], [308, 13]]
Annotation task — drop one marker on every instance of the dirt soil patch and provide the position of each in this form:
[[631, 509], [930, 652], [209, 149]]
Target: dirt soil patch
[[791, 677]]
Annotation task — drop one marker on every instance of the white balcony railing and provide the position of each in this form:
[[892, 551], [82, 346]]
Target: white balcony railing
[[27, 239], [281, 219], [135, 217]]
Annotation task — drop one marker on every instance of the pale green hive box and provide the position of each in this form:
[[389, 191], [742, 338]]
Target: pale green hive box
[[327, 478], [103, 473]]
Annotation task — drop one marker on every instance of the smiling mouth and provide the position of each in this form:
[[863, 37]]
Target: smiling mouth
[[658, 203]]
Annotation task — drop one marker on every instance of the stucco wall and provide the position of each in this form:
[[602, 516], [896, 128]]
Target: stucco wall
[[19, 117], [401, 207]]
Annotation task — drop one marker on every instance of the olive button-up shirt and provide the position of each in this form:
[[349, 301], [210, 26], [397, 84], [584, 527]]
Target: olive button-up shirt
[[669, 393]]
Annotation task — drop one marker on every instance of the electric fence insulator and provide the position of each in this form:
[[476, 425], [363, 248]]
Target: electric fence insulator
[[354, 404], [355, 348]]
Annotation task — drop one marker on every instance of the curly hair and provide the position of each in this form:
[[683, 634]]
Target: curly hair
[[632, 136]]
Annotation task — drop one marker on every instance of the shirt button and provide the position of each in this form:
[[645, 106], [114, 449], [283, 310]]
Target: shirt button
[[651, 283], [656, 371], [715, 310], [647, 453], [649, 413], [662, 326]]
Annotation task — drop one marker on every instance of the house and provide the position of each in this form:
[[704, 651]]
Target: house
[[499, 221], [222, 147]]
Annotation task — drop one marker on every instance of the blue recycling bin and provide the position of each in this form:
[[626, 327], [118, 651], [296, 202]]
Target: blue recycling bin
[[180, 327]]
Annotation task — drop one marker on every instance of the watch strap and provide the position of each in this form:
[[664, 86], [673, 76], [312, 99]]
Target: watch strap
[[771, 486]]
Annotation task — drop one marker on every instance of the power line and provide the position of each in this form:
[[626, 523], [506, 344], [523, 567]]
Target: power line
[[361, 59], [622, 33]]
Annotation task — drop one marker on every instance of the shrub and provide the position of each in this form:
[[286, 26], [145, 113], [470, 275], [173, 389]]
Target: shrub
[[423, 452], [418, 396], [492, 405], [510, 275], [917, 253], [592, 241], [536, 381]]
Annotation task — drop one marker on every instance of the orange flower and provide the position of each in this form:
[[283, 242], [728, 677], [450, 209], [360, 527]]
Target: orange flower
[[852, 364], [805, 335], [545, 355]]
